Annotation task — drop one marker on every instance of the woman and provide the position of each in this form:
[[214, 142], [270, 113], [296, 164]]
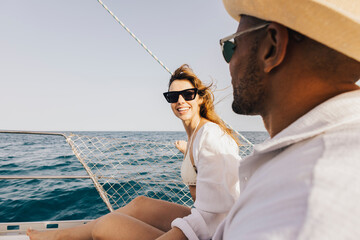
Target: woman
[[209, 168]]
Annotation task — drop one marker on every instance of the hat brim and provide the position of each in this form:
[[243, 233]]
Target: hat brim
[[334, 23]]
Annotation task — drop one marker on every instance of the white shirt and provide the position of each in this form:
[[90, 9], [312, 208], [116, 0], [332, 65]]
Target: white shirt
[[216, 157], [304, 183]]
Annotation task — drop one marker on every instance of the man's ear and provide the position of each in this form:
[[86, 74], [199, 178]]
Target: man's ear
[[274, 46]]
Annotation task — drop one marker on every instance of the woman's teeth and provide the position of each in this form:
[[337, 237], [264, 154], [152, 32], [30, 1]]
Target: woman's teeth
[[182, 109]]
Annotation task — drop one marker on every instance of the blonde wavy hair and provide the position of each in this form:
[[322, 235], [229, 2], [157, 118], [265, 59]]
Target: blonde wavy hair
[[207, 109]]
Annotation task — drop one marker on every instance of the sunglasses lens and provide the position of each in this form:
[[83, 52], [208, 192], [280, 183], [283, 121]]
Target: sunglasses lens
[[172, 97], [189, 95], [228, 50]]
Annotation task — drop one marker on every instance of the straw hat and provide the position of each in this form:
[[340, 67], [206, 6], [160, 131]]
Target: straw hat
[[334, 23]]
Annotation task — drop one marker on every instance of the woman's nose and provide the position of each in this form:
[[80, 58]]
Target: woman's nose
[[181, 99]]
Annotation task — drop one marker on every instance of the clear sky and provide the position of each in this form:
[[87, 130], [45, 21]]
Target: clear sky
[[69, 66]]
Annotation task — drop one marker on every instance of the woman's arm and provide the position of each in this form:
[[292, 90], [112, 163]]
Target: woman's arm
[[193, 192]]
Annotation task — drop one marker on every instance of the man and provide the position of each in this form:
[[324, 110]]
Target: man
[[296, 63]]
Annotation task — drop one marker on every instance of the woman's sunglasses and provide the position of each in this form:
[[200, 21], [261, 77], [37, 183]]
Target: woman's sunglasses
[[187, 94], [228, 45]]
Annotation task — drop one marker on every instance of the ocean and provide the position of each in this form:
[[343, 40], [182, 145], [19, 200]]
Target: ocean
[[64, 199]]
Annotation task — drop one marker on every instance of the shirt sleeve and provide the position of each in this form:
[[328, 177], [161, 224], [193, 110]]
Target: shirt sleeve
[[216, 156]]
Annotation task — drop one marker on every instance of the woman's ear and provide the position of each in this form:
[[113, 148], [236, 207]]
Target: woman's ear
[[201, 100], [274, 46]]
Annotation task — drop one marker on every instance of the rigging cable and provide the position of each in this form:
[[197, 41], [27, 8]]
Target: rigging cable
[[133, 35]]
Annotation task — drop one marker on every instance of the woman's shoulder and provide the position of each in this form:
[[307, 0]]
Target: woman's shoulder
[[211, 128], [211, 139], [212, 134]]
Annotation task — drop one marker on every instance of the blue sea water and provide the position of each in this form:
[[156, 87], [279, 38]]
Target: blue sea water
[[59, 199]]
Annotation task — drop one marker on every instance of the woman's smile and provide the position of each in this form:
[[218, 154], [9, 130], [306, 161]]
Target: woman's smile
[[183, 110]]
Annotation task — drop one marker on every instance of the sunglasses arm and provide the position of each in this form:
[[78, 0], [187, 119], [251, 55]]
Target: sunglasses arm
[[241, 33]]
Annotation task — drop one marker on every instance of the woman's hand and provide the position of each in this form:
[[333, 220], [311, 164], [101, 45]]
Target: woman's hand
[[181, 145]]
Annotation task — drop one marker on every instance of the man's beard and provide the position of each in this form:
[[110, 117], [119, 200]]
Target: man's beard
[[249, 90]]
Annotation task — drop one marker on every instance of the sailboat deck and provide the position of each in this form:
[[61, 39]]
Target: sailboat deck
[[17, 231]]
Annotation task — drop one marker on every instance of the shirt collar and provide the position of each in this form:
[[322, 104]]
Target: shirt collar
[[341, 109]]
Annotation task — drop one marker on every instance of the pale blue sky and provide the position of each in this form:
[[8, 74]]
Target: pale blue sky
[[68, 65]]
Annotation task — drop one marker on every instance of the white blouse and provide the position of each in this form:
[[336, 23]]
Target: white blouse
[[216, 156]]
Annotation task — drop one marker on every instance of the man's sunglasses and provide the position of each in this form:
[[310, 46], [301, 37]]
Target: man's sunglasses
[[228, 45], [187, 94]]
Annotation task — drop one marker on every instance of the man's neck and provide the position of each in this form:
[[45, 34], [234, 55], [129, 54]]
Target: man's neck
[[286, 108]]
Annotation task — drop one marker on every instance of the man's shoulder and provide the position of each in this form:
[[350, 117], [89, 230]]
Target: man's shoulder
[[334, 195], [343, 140]]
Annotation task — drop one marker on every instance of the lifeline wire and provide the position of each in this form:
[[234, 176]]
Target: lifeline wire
[[133, 35]]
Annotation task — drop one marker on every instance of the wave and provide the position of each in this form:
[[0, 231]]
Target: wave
[[65, 157]]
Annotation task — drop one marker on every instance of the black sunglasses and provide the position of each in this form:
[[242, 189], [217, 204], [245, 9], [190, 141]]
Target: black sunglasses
[[228, 45], [187, 94]]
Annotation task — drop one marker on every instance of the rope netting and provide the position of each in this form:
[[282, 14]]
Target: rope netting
[[123, 169]]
